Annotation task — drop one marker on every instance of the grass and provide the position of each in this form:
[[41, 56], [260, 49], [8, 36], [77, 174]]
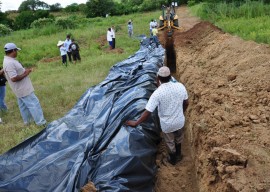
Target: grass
[[250, 20], [57, 87]]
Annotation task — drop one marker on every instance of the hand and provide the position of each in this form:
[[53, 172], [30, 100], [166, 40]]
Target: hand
[[27, 71], [131, 123]]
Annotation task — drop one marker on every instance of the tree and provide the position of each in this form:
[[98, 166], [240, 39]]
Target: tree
[[99, 8], [33, 5], [0, 5], [55, 7], [74, 7]]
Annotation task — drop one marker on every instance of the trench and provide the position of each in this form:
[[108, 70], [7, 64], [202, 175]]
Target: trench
[[170, 58], [184, 178]]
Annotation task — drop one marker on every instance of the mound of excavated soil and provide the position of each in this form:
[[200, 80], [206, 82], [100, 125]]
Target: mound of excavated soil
[[227, 144]]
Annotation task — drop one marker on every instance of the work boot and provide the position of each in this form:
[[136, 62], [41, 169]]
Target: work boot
[[172, 158], [179, 155]]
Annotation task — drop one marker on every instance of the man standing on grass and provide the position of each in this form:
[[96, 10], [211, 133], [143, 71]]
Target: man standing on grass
[[113, 37], [171, 99], [21, 85], [75, 51], [66, 45], [109, 38]]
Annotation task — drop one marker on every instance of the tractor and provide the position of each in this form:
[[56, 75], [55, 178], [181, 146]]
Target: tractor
[[168, 20]]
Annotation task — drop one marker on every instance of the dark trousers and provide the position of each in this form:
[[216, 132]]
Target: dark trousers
[[69, 56], [113, 44], [64, 59]]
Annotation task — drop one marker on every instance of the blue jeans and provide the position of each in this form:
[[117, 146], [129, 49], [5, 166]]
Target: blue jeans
[[31, 110], [2, 98]]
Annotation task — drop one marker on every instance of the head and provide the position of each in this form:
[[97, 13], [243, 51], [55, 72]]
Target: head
[[164, 74], [109, 29], [112, 27], [68, 36], [60, 43], [72, 39], [129, 23], [11, 50]]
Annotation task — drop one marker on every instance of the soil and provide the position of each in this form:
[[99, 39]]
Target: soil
[[227, 131]]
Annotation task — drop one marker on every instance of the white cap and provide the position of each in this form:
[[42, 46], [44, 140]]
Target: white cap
[[60, 43], [164, 71], [11, 46]]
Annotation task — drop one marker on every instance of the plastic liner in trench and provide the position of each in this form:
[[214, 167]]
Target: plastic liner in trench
[[91, 142]]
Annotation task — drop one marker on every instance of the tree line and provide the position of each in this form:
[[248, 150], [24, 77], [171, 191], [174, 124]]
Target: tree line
[[31, 10]]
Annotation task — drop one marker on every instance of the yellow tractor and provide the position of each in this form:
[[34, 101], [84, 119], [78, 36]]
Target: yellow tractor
[[169, 19]]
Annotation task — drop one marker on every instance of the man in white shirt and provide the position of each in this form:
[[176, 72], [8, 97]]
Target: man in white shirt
[[21, 85], [113, 37], [109, 37], [66, 45], [171, 99]]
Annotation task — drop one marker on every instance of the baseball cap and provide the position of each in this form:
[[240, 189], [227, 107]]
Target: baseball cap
[[11, 46], [164, 71]]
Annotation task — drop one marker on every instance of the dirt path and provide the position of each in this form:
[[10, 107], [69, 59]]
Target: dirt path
[[227, 143]]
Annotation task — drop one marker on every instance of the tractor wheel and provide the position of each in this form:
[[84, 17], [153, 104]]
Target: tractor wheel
[[161, 23], [175, 23]]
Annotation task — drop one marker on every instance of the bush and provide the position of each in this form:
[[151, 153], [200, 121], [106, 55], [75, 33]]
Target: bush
[[42, 22], [4, 30], [65, 23]]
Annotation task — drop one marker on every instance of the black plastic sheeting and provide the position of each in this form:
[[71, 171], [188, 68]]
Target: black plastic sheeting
[[91, 142]]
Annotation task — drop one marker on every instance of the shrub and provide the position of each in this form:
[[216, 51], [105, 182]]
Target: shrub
[[65, 23], [4, 30], [42, 22]]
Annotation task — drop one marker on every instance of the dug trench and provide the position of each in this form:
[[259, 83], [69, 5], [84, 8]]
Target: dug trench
[[227, 130]]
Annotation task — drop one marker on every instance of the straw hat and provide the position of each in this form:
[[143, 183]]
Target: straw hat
[[60, 43]]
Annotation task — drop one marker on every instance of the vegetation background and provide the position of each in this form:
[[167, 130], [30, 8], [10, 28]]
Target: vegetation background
[[58, 88]]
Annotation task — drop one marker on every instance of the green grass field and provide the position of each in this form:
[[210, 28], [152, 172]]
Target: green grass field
[[57, 87], [250, 20]]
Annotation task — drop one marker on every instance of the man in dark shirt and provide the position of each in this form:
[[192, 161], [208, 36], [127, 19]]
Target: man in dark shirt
[[75, 51]]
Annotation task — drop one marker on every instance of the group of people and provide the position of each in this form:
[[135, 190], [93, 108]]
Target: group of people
[[69, 48]]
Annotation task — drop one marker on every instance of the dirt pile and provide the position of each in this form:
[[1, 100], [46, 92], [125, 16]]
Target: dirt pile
[[228, 120]]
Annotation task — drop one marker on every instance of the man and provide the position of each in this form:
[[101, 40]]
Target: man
[[113, 37], [109, 37], [155, 38], [130, 29], [75, 51], [20, 83], [171, 99], [66, 45]]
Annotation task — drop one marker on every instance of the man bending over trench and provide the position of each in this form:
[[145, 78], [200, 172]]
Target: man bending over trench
[[171, 98]]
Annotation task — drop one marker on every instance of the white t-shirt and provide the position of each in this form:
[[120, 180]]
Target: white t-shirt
[[109, 36], [13, 68], [169, 99], [67, 44], [63, 50]]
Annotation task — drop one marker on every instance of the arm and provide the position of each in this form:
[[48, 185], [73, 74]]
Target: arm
[[1, 71], [143, 117], [185, 105], [20, 77]]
